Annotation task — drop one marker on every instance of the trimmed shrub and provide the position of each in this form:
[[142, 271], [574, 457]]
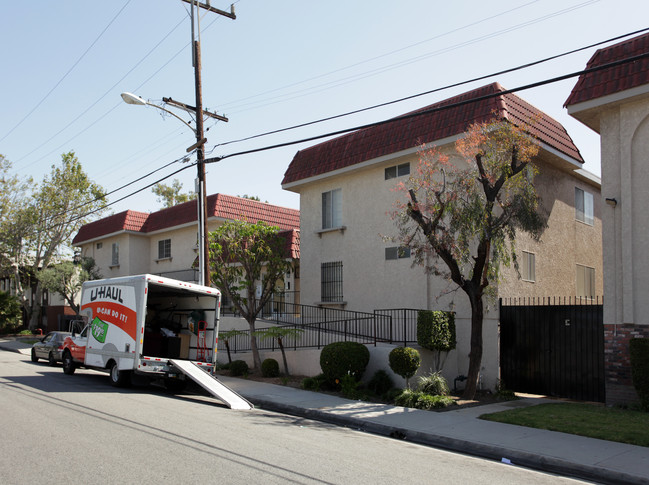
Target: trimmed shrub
[[380, 383], [238, 368], [270, 368], [404, 361], [10, 313], [639, 352], [341, 358], [420, 400], [433, 384], [436, 330]]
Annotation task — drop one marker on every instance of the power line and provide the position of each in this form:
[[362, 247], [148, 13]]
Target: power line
[[67, 73], [336, 83], [434, 110], [449, 86]]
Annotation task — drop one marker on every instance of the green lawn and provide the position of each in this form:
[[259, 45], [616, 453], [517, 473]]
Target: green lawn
[[589, 420]]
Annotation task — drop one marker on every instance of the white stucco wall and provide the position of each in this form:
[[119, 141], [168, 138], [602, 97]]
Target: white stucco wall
[[625, 155]]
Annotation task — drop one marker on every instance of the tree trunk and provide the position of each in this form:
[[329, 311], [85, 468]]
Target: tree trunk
[[475, 355], [256, 359], [35, 319], [281, 347]]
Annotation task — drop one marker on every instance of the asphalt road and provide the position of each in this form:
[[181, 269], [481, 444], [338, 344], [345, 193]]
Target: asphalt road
[[78, 429]]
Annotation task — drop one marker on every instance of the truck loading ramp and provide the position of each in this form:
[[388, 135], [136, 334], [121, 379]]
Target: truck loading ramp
[[211, 384]]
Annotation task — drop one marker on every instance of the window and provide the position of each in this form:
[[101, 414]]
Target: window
[[397, 252], [332, 208], [115, 259], [528, 266], [100, 245], [583, 206], [164, 249], [331, 280], [397, 171], [585, 281]]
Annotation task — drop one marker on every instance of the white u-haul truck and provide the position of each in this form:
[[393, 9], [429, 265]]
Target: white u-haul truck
[[156, 327]]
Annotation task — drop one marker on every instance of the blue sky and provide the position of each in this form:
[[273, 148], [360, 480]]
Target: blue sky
[[278, 64]]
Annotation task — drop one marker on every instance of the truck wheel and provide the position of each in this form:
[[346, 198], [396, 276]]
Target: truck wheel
[[119, 378], [68, 364], [51, 360], [34, 358]]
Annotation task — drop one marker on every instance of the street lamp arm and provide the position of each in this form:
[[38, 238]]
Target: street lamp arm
[[137, 100]]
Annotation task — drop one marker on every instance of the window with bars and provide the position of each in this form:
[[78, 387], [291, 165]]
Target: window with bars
[[164, 249], [331, 279], [332, 209]]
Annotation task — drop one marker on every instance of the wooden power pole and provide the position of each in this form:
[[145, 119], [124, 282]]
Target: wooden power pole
[[203, 243]]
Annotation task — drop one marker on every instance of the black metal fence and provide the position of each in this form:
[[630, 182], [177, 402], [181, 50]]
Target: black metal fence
[[319, 326], [553, 347], [402, 328]]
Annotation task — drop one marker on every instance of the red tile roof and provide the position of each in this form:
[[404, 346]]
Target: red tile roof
[[292, 237], [614, 79], [219, 206], [433, 124]]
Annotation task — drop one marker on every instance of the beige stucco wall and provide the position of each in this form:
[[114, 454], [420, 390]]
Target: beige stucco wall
[[371, 282], [625, 154], [564, 244]]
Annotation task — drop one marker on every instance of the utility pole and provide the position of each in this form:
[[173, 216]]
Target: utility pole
[[203, 243]]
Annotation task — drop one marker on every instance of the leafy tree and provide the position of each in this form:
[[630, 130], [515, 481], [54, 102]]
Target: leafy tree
[[36, 230], [9, 313], [66, 279], [170, 195], [279, 333], [243, 257], [463, 214]]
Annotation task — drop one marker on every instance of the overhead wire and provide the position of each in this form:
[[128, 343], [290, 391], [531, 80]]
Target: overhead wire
[[67, 73], [370, 125], [365, 61], [433, 110], [424, 93], [379, 70]]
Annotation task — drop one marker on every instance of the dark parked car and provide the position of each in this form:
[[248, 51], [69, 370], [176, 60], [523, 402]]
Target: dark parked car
[[49, 347]]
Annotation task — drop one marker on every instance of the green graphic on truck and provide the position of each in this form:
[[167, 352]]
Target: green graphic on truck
[[99, 329]]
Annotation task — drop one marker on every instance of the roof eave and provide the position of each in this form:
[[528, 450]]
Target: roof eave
[[587, 112]]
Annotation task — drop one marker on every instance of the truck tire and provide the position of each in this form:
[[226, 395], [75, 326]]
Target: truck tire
[[119, 378], [68, 363]]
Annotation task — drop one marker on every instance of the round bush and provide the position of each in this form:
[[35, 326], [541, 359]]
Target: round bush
[[270, 368], [404, 361], [238, 368], [342, 358]]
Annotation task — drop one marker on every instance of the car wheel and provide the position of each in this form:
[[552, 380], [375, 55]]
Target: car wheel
[[34, 357], [119, 378], [51, 360], [68, 364]]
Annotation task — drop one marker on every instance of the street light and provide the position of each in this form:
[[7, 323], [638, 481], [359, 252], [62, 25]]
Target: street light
[[133, 99]]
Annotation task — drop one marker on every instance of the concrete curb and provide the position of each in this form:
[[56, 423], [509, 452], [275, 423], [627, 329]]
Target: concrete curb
[[496, 453]]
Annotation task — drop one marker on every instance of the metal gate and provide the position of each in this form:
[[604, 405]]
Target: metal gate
[[553, 347]]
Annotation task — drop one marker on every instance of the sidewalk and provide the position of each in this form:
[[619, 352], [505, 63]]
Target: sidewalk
[[459, 430]]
